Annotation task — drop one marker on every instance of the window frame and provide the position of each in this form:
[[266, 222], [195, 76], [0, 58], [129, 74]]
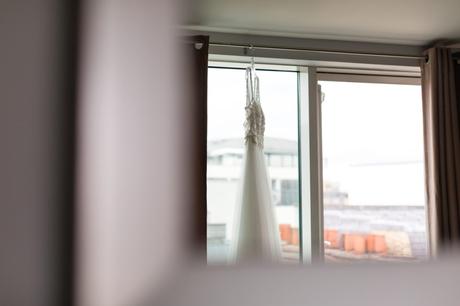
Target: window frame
[[395, 79], [310, 159]]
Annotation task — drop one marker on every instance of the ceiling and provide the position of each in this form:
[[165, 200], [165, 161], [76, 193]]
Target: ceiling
[[410, 22]]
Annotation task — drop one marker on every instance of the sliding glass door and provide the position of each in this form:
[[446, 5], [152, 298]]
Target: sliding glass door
[[373, 172]]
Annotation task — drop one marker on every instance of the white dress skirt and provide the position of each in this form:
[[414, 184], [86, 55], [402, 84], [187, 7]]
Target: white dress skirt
[[256, 234]]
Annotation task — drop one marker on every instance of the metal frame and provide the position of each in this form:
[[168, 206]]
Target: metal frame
[[369, 78], [310, 156], [373, 78], [243, 63], [322, 66]]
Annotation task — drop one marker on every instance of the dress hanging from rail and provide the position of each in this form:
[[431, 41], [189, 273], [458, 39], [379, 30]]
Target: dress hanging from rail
[[256, 234]]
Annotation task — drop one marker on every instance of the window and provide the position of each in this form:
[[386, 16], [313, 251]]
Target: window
[[356, 192], [226, 101], [289, 192], [373, 172]]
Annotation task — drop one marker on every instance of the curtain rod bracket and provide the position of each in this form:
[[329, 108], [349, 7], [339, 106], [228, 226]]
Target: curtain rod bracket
[[249, 48]]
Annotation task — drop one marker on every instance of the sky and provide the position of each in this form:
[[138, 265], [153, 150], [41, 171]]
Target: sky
[[227, 99]]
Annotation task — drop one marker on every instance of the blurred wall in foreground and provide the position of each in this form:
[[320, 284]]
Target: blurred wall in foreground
[[36, 134], [133, 169], [389, 284]]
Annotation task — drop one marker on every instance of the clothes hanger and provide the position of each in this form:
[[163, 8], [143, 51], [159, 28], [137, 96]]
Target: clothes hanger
[[253, 68], [252, 75]]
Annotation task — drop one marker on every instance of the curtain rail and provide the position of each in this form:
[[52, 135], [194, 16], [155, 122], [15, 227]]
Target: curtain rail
[[253, 47], [321, 69]]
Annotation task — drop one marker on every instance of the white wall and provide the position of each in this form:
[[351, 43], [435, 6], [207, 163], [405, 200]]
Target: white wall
[[134, 173]]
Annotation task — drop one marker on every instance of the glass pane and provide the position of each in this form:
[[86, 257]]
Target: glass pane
[[373, 170], [226, 101]]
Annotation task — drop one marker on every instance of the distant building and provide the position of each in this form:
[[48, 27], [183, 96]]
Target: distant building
[[225, 158]]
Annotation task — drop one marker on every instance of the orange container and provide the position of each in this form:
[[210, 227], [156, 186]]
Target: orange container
[[285, 232], [380, 244], [370, 243], [295, 236], [359, 244], [333, 238], [348, 242]]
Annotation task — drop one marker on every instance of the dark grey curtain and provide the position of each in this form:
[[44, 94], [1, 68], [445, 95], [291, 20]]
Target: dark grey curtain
[[197, 82], [442, 148]]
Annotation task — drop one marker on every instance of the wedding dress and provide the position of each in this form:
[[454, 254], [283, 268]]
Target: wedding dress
[[256, 234]]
